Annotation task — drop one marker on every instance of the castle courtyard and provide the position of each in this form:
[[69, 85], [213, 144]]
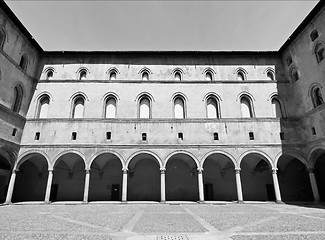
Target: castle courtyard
[[154, 221]]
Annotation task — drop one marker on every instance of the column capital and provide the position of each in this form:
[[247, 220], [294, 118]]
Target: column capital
[[87, 171], [274, 170], [50, 170], [162, 170], [237, 170], [310, 170], [15, 171], [200, 170], [125, 171]]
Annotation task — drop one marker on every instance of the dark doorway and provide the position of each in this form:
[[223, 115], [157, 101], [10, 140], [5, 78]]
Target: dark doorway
[[54, 192], [208, 192], [115, 192], [270, 192]]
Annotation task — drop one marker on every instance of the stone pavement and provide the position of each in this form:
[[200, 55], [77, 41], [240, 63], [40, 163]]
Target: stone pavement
[[170, 221]]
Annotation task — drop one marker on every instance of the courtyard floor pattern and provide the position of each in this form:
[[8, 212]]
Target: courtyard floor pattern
[[231, 221]]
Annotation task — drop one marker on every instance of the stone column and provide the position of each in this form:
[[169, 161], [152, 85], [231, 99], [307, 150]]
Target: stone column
[[86, 190], [124, 185], [201, 188], [48, 186], [11, 186], [313, 184], [162, 185], [238, 185], [276, 185]]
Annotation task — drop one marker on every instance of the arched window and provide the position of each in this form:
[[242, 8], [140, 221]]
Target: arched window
[[289, 60], [145, 76], [18, 97], [179, 108], [319, 52], [294, 74], [208, 76], [2, 38], [78, 107], [83, 75], [246, 107], [212, 108], [178, 76], [43, 107], [277, 108], [241, 76], [110, 107], [144, 107], [112, 75], [49, 74], [270, 75], [317, 97], [23, 61]]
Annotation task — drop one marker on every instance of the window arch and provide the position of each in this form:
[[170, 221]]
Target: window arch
[[112, 75], [246, 107], [319, 52], [316, 96], [2, 37], [23, 61], [83, 74], [144, 107], [314, 35], [110, 107], [78, 107], [294, 74], [145, 76], [49, 74], [270, 75], [17, 99], [277, 108], [208, 76], [212, 105], [289, 60], [179, 108], [43, 106], [178, 76]]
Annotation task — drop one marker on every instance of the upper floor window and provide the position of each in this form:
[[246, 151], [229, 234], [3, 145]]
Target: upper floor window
[[112, 75], [145, 76], [144, 107], [212, 107], [314, 35], [289, 60], [78, 107], [178, 76], [316, 96], [23, 61], [17, 99], [294, 74], [270, 75], [277, 108], [110, 107], [241, 74], [43, 106], [49, 74], [319, 52], [179, 108], [2, 38], [83, 74], [208, 76], [246, 107]]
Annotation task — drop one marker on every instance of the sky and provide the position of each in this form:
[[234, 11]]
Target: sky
[[161, 25]]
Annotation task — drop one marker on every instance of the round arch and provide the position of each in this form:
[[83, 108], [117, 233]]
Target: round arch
[[312, 159], [23, 157], [182, 152], [228, 155], [296, 155], [95, 155], [129, 159], [244, 154], [55, 159]]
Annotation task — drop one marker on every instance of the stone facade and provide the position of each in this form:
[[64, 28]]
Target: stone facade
[[163, 126]]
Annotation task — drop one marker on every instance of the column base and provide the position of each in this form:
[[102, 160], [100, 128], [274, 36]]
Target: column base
[[200, 201], [47, 202], [124, 201], [279, 202], [163, 202], [240, 201], [316, 202], [7, 203], [84, 202]]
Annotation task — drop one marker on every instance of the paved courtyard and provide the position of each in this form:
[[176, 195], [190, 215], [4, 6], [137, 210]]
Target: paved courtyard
[[173, 221]]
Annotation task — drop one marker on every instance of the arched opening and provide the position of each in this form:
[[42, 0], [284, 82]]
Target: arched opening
[[294, 74], [23, 61], [83, 75], [241, 76], [110, 107], [179, 108], [246, 107], [219, 178], [145, 76], [293, 180], [17, 99], [277, 108], [144, 107], [68, 178], [43, 107], [5, 173], [319, 52], [270, 75], [316, 96], [78, 107], [178, 76], [181, 178], [2, 38], [31, 179], [49, 75], [212, 108], [208, 76], [143, 178], [319, 170], [112, 75], [256, 177], [105, 178]]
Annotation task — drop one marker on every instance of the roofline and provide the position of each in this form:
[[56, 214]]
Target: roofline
[[20, 26], [303, 24]]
